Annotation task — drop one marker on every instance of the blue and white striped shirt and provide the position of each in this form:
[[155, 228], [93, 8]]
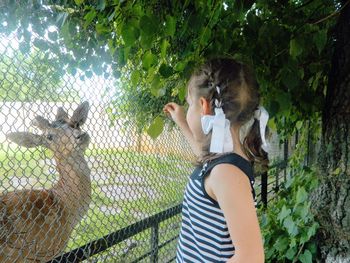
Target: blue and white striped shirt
[[204, 236]]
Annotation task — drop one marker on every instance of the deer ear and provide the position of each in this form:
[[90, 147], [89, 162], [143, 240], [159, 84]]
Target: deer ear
[[80, 115], [61, 114], [25, 139]]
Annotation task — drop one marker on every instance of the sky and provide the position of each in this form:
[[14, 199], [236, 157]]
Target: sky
[[89, 89]]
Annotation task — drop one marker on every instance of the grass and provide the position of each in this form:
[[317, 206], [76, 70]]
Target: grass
[[164, 176], [141, 244]]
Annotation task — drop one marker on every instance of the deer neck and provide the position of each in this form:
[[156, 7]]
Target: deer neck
[[74, 184]]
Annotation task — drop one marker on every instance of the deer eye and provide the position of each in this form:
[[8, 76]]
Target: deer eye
[[49, 137]]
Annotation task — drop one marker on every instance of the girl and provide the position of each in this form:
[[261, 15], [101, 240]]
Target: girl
[[219, 220]]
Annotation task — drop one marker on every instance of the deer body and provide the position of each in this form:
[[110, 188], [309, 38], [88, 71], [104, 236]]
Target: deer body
[[74, 174], [35, 225]]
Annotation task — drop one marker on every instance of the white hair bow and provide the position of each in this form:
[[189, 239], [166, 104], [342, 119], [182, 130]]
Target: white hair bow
[[262, 115], [221, 139]]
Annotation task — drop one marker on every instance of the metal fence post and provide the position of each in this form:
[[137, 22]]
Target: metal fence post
[[296, 137], [308, 145], [264, 189], [154, 243], [285, 159]]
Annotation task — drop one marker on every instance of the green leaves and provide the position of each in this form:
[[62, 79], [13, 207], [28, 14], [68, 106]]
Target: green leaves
[[89, 17], [290, 78], [157, 86], [306, 257], [163, 48], [320, 39], [273, 108], [284, 213], [135, 78], [312, 230], [301, 195], [180, 66], [78, 2], [149, 60], [336, 172], [101, 5], [295, 47], [289, 227], [281, 243], [280, 44], [22, 78], [129, 34], [170, 26], [149, 25], [165, 71], [205, 36], [299, 125], [156, 128], [291, 253], [101, 29]]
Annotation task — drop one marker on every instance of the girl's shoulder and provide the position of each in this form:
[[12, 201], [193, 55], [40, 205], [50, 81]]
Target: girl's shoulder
[[231, 169], [231, 160], [226, 177]]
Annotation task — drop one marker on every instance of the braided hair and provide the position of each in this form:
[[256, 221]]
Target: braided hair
[[234, 86]]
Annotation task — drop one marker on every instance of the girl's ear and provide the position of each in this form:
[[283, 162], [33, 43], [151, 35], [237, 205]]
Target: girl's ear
[[205, 106]]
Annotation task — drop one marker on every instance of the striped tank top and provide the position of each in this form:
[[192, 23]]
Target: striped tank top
[[204, 235]]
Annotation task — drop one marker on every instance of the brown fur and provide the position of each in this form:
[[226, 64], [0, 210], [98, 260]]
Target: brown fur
[[35, 225]]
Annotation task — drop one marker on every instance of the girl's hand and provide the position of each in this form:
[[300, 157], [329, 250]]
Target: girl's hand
[[176, 112]]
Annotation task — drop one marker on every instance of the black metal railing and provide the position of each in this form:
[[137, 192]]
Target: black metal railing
[[100, 245]]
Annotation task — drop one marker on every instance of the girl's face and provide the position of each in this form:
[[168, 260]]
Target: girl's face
[[197, 107]]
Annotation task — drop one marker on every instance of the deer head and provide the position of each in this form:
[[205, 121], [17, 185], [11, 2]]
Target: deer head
[[63, 136]]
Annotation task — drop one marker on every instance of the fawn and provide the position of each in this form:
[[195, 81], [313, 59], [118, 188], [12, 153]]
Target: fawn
[[35, 225]]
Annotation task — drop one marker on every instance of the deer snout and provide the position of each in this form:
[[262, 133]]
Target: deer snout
[[83, 138], [82, 135]]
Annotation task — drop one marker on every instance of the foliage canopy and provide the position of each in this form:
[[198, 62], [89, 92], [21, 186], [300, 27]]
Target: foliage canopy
[[154, 45]]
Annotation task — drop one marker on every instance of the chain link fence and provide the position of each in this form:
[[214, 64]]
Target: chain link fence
[[83, 180], [55, 195]]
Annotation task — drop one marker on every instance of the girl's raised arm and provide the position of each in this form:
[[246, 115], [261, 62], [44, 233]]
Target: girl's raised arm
[[177, 113]]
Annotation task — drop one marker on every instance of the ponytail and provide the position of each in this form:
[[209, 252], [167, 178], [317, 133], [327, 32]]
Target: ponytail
[[239, 93], [252, 146]]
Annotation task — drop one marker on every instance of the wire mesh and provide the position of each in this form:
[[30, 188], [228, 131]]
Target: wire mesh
[[73, 173], [57, 196]]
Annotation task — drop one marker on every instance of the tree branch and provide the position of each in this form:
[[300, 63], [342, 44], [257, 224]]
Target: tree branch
[[331, 15], [303, 5]]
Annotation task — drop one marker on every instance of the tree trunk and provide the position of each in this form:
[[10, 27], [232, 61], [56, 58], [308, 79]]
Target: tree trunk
[[331, 201]]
